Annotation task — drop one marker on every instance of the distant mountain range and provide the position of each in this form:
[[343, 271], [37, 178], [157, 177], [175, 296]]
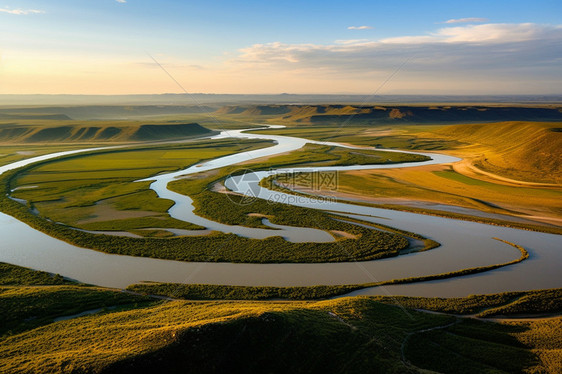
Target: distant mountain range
[[231, 99], [292, 113], [397, 113]]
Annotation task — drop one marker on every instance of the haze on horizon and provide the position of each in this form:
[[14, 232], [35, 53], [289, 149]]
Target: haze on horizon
[[316, 47]]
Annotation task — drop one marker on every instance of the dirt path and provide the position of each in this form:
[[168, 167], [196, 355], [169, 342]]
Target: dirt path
[[466, 167], [499, 319]]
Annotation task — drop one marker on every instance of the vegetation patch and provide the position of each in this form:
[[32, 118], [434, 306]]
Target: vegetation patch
[[12, 275], [221, 247], [25, 308], [226, 292], [31, 298]]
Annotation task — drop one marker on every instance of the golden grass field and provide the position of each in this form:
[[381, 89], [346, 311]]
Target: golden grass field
[[512, 168], [184, 333]]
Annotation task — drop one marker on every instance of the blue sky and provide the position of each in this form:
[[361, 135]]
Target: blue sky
[[101, 46]]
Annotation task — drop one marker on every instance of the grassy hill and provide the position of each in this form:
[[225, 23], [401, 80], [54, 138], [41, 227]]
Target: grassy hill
[[71, 328], [521, 150], [87, 132]]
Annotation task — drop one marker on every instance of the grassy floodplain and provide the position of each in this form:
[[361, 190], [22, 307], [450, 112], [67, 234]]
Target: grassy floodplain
[[78, 191], [57, 193], [219, 207], [98, 192]]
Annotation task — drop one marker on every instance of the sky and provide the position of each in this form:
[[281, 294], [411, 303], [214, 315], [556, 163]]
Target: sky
[[267, 47]]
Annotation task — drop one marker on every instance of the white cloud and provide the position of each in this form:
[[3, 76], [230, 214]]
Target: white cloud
[[351, 41], [359, 27], [487, 33], [121, 1], [467, 20], [21, 12], [513, 52]]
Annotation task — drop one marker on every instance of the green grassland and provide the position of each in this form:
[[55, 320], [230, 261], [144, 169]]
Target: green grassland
[[500, 148], [348, 335], [219, 247], [324, 155], [502, 304], [24, 308], [98, 192], [222, 247], [11, 275], [132, 333], [219, 207]]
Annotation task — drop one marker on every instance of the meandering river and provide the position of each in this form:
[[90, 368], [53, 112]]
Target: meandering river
[[464, 244]]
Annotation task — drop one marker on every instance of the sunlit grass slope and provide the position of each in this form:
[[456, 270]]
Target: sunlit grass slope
[[438, 184], [354, 335], [30, 298], [130, 334], [520, 150]]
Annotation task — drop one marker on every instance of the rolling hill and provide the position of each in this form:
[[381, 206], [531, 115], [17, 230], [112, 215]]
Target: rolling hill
[[98, 132], [396, 114]]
